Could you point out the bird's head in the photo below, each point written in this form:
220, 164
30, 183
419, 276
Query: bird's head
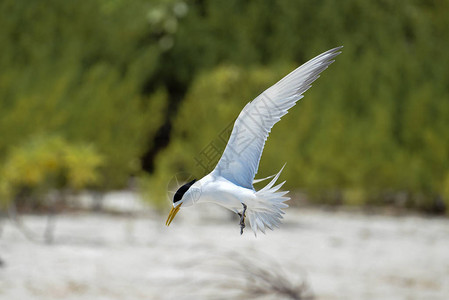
186, 195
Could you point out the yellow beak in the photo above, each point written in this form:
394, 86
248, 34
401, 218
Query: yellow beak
172, 214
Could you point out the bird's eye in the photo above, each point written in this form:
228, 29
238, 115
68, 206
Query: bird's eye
182, 190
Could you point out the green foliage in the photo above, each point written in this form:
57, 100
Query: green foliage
117, 74
48, 162
78, 71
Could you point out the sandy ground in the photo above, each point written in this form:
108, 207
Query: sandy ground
202, 256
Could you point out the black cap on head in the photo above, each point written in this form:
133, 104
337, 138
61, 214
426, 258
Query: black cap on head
182, 190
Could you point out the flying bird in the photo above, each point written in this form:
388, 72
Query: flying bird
230, 184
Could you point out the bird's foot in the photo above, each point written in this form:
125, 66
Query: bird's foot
242, 218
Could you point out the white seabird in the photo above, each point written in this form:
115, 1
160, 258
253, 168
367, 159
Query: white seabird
230, 184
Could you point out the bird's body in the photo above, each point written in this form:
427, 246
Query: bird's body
230, 184
231, 195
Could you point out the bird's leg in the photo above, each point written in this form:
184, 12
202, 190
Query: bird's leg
242, 218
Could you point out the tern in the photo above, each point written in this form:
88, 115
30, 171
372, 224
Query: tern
230, 184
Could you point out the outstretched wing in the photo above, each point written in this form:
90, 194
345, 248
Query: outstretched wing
240, 160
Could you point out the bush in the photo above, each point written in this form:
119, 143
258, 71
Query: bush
45, 163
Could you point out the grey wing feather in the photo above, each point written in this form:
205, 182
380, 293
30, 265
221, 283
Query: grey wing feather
240, 160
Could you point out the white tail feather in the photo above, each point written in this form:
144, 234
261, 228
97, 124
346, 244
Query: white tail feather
262, 179
267, 210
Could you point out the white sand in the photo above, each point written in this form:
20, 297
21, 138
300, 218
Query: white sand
340, 255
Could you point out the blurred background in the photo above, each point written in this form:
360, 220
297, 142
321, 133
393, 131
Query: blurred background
103, 96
